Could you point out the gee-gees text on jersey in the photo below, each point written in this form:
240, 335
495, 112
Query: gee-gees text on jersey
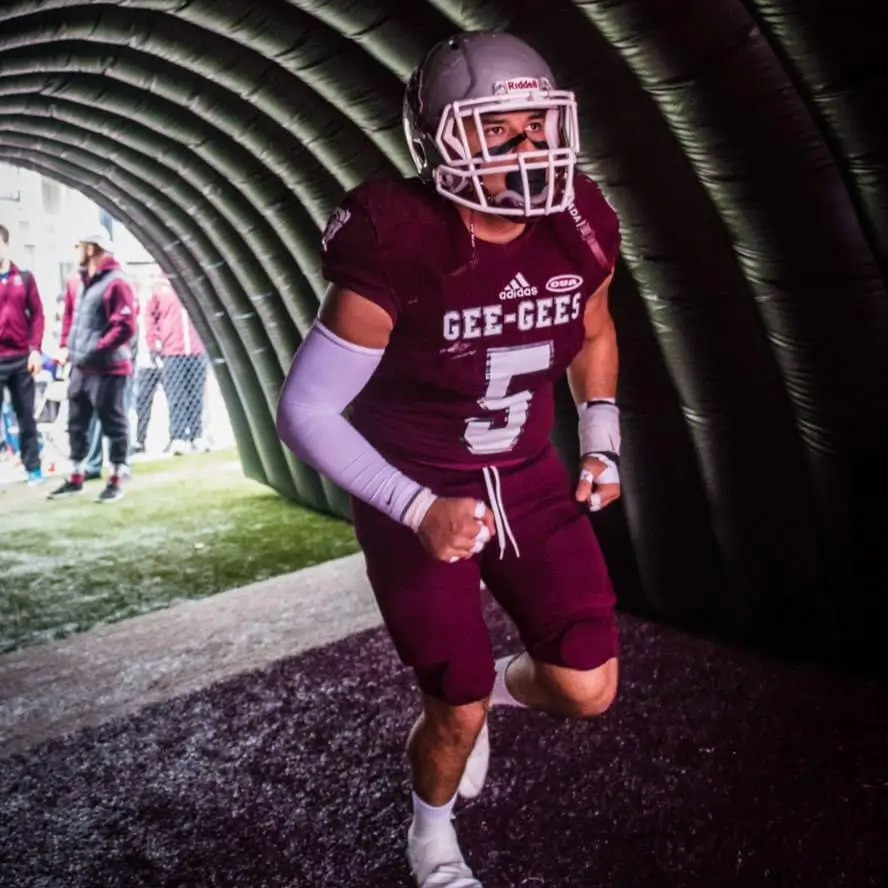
486, 321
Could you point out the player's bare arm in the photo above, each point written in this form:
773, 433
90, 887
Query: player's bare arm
355, 319
593, 382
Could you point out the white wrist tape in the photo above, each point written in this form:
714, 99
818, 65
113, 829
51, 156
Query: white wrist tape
599, 428
481, 540
327, 374
609, 475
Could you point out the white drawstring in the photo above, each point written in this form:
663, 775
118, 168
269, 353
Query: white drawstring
500, 519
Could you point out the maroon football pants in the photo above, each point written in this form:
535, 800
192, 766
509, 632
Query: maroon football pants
555, 587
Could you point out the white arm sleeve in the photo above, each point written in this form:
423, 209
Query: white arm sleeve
327, 374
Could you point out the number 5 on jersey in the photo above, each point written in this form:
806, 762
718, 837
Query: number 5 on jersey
483, 435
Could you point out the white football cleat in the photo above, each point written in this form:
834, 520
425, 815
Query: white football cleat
475, 773
437, 862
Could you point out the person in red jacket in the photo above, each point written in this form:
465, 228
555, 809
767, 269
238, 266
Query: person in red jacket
21, 335
97, 328
174, 343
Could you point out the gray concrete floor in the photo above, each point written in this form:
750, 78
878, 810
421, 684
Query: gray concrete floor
49, 690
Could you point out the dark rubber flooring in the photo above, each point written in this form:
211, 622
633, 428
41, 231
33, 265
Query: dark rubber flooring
715, 768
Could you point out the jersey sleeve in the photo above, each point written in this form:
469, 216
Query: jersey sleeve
351, 256
601, 216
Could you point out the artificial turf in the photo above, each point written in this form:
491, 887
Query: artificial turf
188, 527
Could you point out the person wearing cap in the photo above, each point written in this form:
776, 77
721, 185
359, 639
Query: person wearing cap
21, 335
98, 451
98, 326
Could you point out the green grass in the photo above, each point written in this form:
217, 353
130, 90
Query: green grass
188, 528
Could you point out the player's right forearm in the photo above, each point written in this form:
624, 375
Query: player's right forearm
326, 376
329, 443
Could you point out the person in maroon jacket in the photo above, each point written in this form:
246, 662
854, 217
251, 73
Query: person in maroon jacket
21, 335
97, 328
175, 346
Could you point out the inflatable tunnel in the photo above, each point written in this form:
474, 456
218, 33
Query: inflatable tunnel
742, 143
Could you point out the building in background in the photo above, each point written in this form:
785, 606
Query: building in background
45, 218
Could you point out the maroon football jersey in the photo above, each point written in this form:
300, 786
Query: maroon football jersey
479, 334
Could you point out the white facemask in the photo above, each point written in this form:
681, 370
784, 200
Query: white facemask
538, 182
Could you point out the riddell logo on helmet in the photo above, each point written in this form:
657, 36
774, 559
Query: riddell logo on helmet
521, 84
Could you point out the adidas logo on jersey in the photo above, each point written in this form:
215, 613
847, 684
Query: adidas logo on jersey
518, 288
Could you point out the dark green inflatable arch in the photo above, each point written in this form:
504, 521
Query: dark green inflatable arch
741, 142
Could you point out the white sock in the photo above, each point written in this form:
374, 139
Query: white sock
76, 468
501, 695
429, 820
117, 471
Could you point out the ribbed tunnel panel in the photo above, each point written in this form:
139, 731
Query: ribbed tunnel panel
740, 144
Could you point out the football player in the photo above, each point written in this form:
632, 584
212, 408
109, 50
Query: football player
457, 299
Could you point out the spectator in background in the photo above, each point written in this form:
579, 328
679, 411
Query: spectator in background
148, 378
21, 337
97, 328
92, 465
72, 284
172, 338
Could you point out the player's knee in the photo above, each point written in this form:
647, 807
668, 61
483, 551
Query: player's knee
592, 693
581, 693
578, 666
466, 678
455, 726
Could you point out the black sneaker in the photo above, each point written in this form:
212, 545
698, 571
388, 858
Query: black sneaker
92, 476
111, 493
67, 489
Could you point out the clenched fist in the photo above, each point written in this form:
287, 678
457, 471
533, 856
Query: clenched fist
456, 527
599, 483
